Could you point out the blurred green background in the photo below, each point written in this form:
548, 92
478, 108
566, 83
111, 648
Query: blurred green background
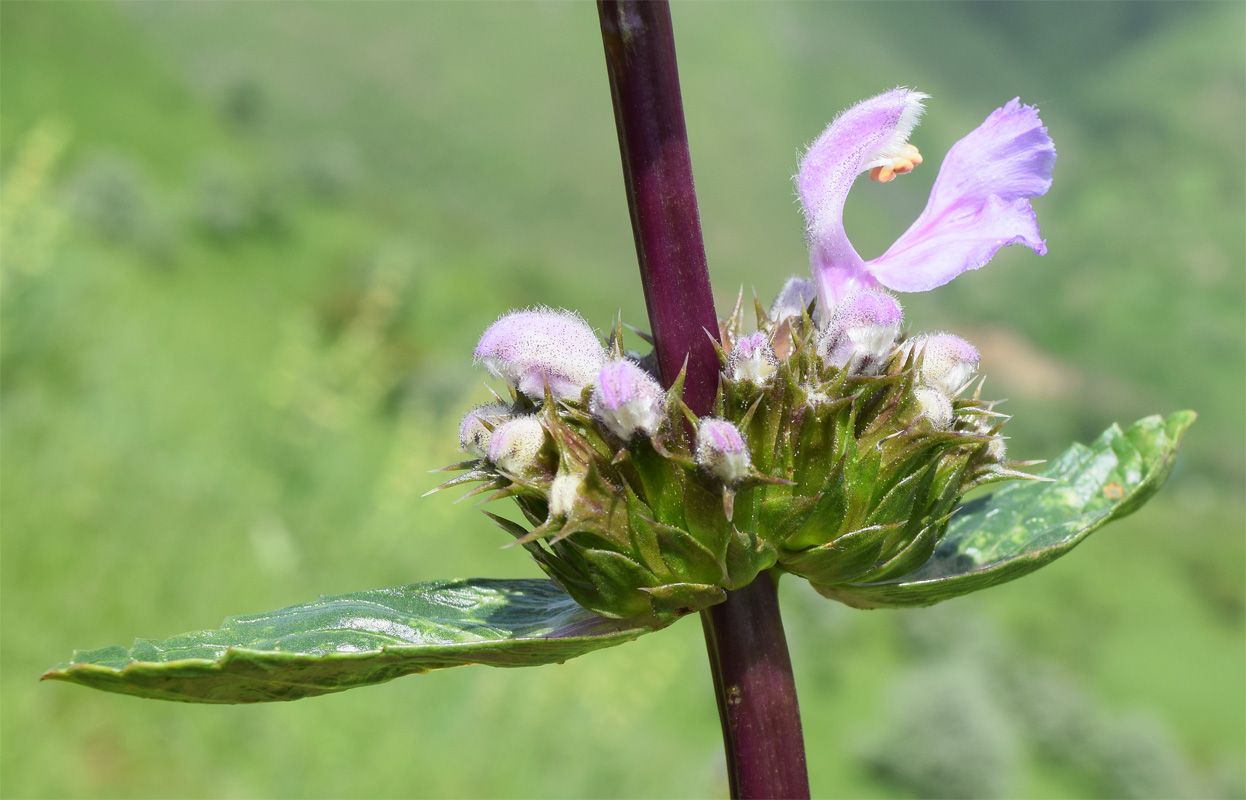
247, 249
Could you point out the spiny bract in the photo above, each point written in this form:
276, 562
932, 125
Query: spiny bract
849, 470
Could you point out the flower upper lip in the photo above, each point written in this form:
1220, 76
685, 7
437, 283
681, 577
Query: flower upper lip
979, 203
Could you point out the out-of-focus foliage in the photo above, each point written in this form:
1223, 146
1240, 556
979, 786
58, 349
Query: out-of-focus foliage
229, 402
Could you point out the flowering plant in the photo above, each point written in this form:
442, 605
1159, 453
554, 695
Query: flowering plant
840, 447
828, 443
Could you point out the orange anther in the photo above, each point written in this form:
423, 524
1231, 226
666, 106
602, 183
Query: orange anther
902, 164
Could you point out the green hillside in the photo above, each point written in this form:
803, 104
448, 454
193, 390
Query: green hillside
246, 251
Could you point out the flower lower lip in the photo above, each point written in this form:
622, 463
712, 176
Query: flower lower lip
980, 201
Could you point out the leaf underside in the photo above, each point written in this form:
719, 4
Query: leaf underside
357, 639
1025, 525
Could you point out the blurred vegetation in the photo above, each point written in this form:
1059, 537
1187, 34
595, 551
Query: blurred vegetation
246, 251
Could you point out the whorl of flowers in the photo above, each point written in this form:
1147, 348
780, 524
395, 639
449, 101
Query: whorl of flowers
837, 448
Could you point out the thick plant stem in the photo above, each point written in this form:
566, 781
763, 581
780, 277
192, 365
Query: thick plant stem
756, 693
744, 635
657, 172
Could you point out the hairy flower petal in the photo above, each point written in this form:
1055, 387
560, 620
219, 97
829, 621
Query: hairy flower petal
627, 400
980, 203
477, 426
516, 443
722, 450
752, 359
529, 349
935, 406
948, 362
861, 332
792, 299
869, 134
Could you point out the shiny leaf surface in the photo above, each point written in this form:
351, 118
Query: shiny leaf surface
1025, 525
340, 642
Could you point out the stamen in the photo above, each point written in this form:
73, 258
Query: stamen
902, 164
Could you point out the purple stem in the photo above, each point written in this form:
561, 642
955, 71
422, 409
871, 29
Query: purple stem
744, 635
657, 171
756, 693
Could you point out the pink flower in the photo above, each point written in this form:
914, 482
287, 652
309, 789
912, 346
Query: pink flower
948, 362
516, 444
861, 332
532, 349
721, 449
979, 203
752, 359
627, 400
477, 427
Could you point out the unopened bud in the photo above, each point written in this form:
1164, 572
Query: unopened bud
529, 349
627, 400
861, 332
477, 428
562, 493
793, 298
721, 450
752, 359
948, 362
516, 444
935, 406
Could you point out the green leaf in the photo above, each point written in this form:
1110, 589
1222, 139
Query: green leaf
1027, 524
356, 639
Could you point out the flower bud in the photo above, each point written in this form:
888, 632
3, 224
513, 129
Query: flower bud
752, 359
529, 349
516, 444
861, 331
935, 406
793, 298
721, 450
948, 362
627, 400
562, 493
477, 427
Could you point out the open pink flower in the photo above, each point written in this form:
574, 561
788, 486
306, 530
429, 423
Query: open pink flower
979, 203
